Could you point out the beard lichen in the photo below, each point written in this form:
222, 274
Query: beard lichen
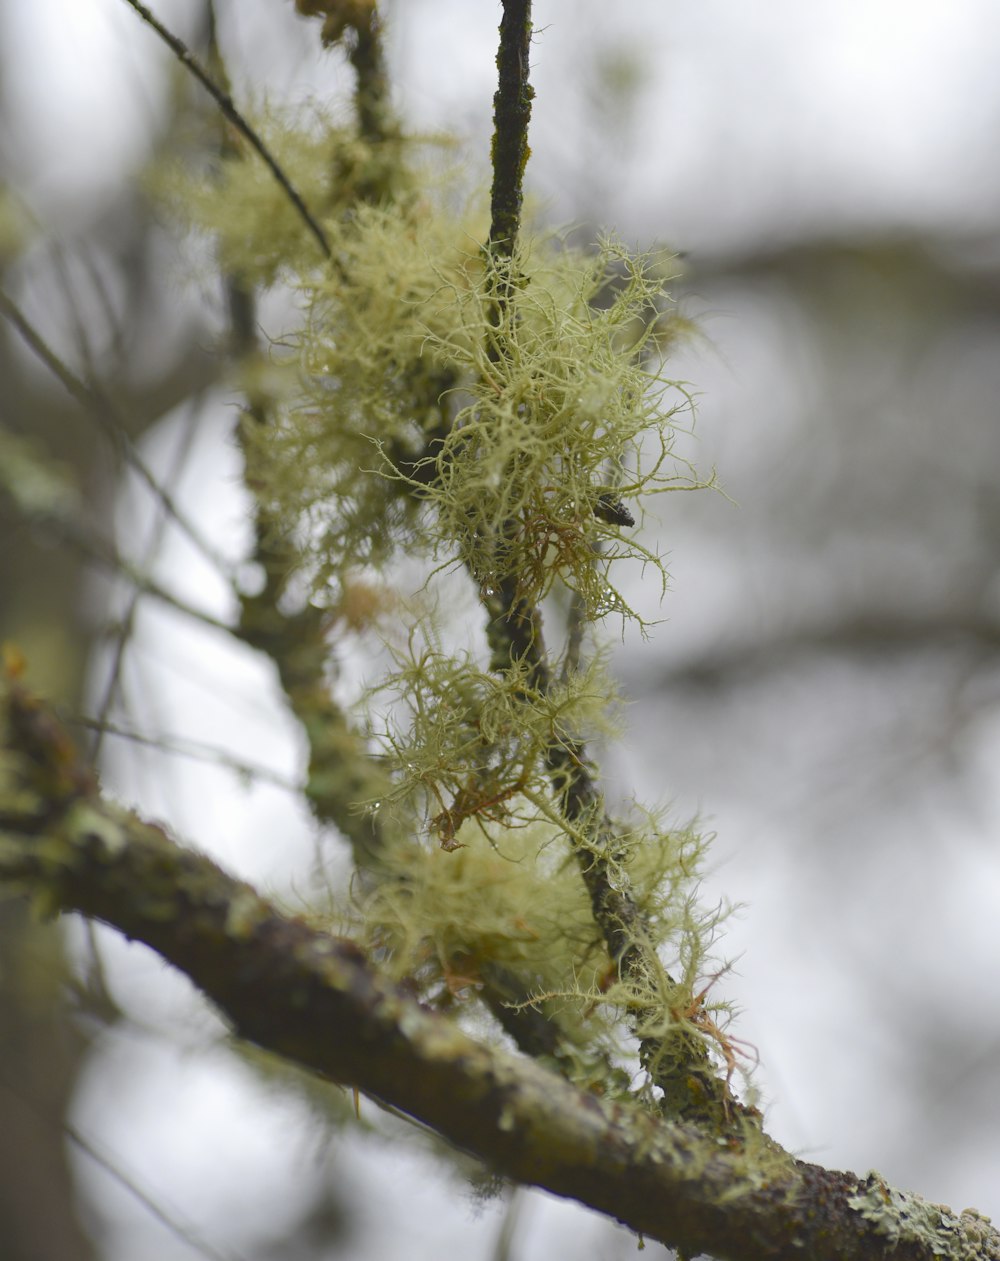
403, 429
471, 745
410, 415
509, 901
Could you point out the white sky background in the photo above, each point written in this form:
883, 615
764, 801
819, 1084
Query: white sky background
751, 115
753, 120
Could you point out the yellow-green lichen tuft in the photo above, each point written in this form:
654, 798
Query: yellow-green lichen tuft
259, 234
519, 450
469, 745
565, 426
414, 414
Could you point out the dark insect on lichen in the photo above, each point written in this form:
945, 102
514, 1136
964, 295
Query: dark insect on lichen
613, 511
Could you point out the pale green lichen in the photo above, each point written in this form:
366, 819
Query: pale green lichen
245, 911
510, 896
465, 743
562, 431
516, 442
409, 429
85, 822
228, 193
902, 1218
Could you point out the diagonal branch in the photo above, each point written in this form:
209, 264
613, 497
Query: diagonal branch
96, 404
319, 1001
228, 107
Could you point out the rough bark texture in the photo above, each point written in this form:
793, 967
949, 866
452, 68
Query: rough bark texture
318, 1000
511, 115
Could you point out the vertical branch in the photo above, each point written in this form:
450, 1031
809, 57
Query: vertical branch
509, 152
676, 1057
341, 772
511, 115
371, 93
357, 25
515, 631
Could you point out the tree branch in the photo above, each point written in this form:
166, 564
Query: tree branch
318, 1000
678, 1063
228, 107
96, 404
511, 115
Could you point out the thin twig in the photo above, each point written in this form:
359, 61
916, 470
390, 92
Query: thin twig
185, 1232
296, 642
228, 107
97, 405
576, 622
107, 556
127, 622
196, 749
170, 1218
503, 1248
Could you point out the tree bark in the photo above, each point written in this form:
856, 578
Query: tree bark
318, 1000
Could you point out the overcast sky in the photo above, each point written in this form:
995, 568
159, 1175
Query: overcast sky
747, 116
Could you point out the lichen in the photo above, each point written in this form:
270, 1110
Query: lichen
87, 824
515, 443
405, 429
902, 1218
